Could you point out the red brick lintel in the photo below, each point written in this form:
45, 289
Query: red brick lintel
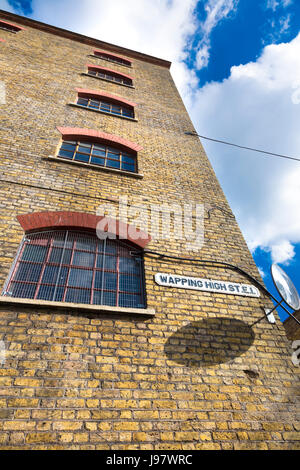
98, 135
39, 221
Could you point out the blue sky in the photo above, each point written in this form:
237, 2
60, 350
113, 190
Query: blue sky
236, 64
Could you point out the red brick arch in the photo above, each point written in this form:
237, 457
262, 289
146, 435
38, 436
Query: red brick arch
39, 221
104, 94
73, 132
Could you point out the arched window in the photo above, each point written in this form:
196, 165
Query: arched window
112, 57
110, 75
91, 147
95, 153
13, 28
105, 102
78, 267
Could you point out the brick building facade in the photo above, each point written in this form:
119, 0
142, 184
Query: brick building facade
163, 367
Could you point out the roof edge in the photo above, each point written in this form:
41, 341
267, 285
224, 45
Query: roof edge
83, 39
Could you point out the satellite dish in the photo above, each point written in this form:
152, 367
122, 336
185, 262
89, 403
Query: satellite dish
286, 290
285, 287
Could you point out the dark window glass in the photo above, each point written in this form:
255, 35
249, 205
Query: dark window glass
106, 106
96, 154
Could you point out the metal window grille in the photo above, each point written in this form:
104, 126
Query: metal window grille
112, 58
97, 154
106, 106
110, 76
77, 267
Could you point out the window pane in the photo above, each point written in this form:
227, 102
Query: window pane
68, 146
82, 258
79, 157
78, 296
47, 293
129, 283
84, 148
105, 107
97, 161
82, 101
98, 152
86, 244
110, 263
110, 281
112, 163
65, 154
92, 72
113, 155
22, 290
54, 274
98, 280
127, 112
94, 104
111, 247
57, 256
80, 277
127, 167
116, 109
130, 301
128, 265
28, 272
33, 252
127, 158
109, 298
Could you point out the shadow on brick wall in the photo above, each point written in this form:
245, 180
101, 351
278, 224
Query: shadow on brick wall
209, 341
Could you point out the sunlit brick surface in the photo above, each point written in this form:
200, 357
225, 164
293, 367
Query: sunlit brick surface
194, 376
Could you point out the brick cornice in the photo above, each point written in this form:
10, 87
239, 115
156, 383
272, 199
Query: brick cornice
83, 39
102, 136
104, 94
80, 220
106, 69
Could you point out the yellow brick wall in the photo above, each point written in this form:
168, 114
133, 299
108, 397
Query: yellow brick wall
194, 376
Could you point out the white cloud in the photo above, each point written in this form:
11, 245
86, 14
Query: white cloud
216, 11
282, 252
256, 107
273, 4
261, 272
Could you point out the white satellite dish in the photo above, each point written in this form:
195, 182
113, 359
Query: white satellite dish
286, 290
285, 287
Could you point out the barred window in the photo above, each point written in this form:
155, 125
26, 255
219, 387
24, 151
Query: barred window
77, 267
111, 76
98, 154
106, 106
112, 58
